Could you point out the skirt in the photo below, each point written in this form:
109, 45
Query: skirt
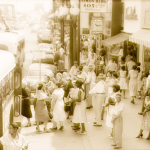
26, 108
41, 112
133, 87
146, 122
59, 112
123, 83
110, 110
79, 115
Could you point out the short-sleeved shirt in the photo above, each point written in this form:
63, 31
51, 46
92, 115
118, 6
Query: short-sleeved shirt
9, 143
119, 107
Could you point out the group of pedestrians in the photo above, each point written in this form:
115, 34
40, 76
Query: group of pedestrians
69, 94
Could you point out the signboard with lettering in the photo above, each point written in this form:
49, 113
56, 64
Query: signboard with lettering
93, 6
96, 25
147, 18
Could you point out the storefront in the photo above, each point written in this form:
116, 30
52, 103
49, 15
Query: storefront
116, 46
142, 38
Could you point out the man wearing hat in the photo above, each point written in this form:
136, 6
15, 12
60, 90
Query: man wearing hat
117, 121
91, 79
99, 92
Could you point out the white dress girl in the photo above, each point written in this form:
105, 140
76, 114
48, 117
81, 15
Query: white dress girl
80, 109
123, 79
58, 111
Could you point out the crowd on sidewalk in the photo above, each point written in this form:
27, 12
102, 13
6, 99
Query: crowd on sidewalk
69, 94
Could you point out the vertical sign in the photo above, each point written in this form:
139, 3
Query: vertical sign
93, 5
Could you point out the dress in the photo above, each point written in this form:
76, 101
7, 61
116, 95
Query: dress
80, 110
133, 82
26, 108
146, 118
10, 143
58, 111
41, 112
139, 81
123, 80
110, 88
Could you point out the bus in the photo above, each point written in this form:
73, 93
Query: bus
10, 91
14, 42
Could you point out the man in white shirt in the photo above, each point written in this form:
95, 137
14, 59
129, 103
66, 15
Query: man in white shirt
91, 79
112, 66
117, 121
99, 91
73, 70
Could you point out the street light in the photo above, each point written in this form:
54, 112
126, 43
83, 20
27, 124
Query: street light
75, 20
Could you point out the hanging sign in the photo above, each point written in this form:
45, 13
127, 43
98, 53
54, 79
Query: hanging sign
93, 6
96, 25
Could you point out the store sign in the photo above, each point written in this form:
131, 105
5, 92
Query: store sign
93, 6
147, 18
96, 25
130, 13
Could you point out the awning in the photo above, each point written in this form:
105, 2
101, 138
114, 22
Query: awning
116, 39
141, 37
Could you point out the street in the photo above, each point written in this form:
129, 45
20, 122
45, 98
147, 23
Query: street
96, 138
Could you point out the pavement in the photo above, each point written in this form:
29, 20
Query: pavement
96, 138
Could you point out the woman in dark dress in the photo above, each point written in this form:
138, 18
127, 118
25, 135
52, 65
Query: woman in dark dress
26, 109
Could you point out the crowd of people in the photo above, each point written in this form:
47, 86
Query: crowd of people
69, 94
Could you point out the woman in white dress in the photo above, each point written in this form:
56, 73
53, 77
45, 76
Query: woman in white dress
123, 80
79, 116
133, 74
57, 107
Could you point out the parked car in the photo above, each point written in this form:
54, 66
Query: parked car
45, 35
48, 50
37, 72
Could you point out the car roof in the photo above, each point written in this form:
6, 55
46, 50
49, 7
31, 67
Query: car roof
36, 67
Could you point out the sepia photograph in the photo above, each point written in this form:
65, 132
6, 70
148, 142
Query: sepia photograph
74, 74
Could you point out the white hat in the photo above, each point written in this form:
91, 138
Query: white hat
101, 76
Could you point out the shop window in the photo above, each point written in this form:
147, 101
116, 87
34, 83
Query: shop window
16, 106
146, 54
17, 80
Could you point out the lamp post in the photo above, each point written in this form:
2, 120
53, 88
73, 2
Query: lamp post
75, 33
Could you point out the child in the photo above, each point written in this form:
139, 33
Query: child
123, 80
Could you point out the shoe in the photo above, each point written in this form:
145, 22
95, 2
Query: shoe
117, 147
94, 122
46, 130
148, 138
139, 136
28, 125
132, 101
140, 113
88, 107
139, 97
82, 132
113, 145
38, 129
61, 128
98, 125
76, 128
53, 128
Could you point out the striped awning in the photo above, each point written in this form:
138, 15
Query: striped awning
141, 37
116, 39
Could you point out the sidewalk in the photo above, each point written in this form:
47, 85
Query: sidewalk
96, 138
